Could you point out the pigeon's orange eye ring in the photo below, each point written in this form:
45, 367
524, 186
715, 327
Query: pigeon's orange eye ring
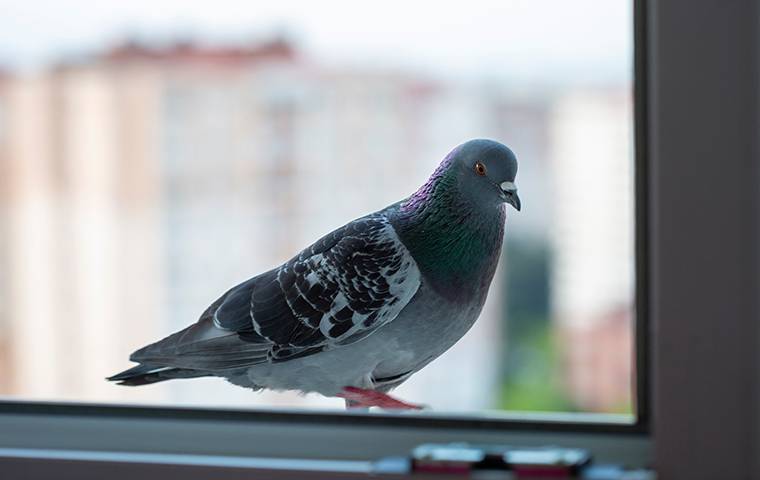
480, 169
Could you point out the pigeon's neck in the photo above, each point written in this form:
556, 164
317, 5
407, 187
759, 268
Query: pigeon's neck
455, 244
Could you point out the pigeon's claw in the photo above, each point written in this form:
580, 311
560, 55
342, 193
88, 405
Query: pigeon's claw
364, 398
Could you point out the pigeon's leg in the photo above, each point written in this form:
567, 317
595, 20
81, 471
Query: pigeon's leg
363, 397
355, 405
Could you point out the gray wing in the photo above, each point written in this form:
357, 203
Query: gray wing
336, 292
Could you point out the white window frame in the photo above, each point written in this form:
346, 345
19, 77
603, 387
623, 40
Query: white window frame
697, 236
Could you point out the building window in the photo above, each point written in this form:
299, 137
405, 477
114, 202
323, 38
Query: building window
193, 166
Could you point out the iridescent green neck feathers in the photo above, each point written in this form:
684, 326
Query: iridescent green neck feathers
456, 244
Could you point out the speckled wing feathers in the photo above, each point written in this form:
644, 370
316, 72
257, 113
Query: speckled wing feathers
335, 292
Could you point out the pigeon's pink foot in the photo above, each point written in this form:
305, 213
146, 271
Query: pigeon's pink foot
364, 398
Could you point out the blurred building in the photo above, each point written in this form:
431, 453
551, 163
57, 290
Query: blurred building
85, 272
136, 186
6, 367
593, 272
146, 181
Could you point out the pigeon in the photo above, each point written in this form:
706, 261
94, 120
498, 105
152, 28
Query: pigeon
357, 313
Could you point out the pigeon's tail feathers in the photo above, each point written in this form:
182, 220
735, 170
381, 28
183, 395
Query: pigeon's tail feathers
204, 347
146, 374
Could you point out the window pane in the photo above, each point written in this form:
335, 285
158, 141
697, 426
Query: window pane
149, 160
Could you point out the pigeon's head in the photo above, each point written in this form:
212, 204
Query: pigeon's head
486, 172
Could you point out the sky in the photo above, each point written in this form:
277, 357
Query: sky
523, 38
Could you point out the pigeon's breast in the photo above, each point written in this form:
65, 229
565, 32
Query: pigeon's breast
428, 326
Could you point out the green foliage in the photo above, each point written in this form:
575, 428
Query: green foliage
534, 383
531, 380
531, 365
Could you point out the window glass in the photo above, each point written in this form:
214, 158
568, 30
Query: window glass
153, 157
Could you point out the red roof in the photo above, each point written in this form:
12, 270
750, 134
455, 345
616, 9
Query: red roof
193, 53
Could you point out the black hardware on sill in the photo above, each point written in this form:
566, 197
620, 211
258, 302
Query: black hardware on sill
515, 462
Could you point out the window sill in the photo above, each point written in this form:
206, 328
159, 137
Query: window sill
229, 434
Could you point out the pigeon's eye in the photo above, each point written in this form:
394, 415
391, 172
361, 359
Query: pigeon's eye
480, 169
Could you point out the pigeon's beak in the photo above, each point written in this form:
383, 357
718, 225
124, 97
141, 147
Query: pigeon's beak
509, 190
